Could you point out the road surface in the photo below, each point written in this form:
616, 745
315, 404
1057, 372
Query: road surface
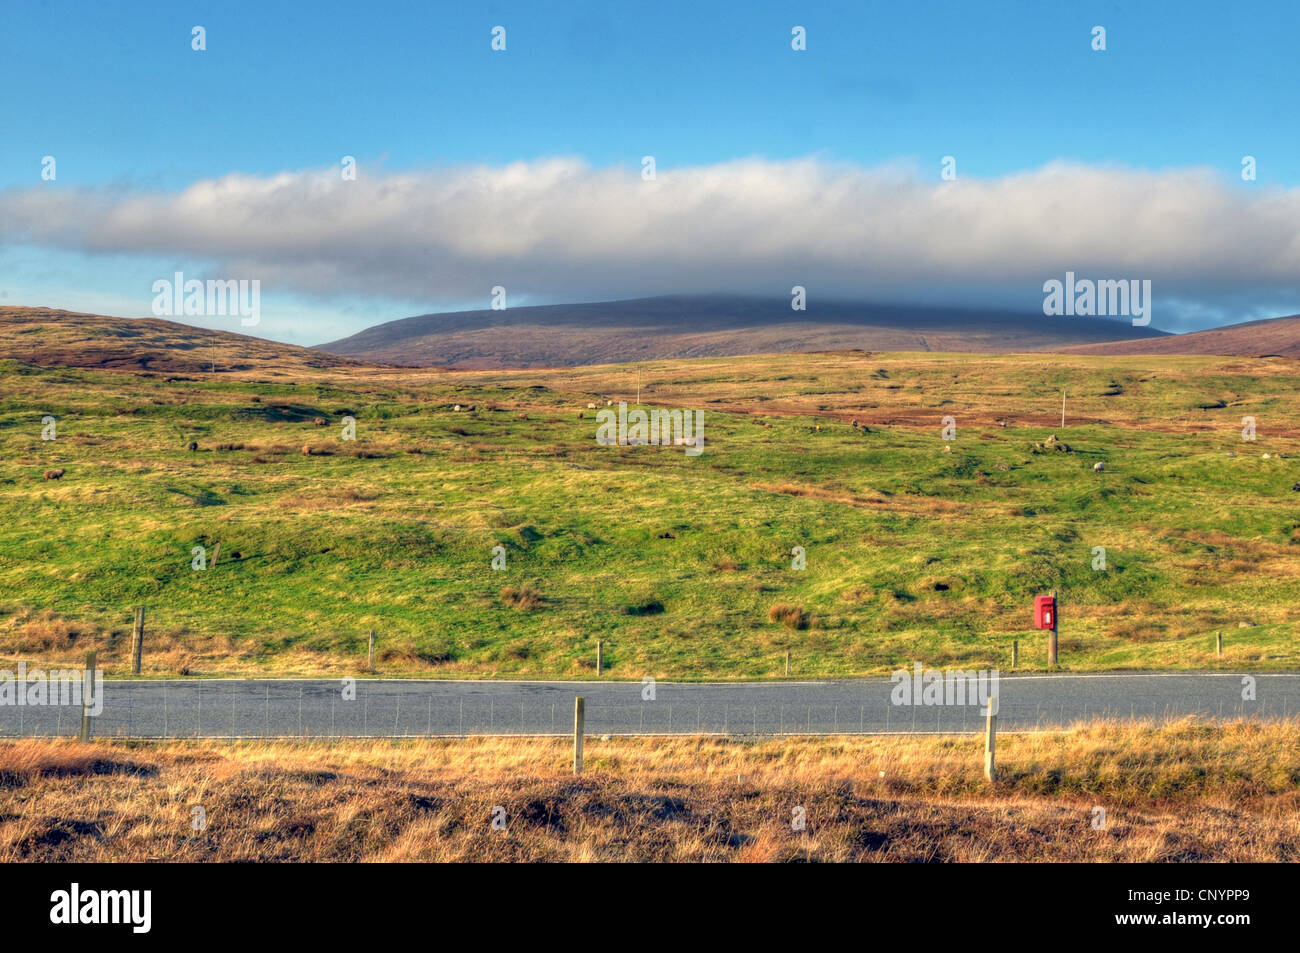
254, 708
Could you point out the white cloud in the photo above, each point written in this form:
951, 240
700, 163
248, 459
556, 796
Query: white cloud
559, 229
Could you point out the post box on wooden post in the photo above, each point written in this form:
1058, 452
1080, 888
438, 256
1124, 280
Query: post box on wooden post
1045, 617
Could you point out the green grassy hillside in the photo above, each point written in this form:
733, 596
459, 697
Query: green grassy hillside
681, 565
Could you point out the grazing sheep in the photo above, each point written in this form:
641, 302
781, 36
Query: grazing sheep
191, 446
456, 408
306, 451
1098, 467
1296, 487
591, 406
319, 421
523, 416
855, 421
947, 449
54, 474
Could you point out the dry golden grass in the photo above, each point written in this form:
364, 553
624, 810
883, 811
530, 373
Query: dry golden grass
1179, 792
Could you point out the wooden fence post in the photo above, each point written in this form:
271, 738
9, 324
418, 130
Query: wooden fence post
372, 650
1015, 654
787, 663
600, 656
137, 640
991, 739
1051, 639
1218, 644
89, 676
579, 717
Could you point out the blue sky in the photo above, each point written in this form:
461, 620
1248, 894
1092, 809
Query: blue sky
116, 94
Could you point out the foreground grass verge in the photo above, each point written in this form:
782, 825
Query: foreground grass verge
1185, 791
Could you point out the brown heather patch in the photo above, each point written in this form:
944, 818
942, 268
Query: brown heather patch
1137, 631
903, 505
936, 606
28, 760
911, 506
358, 494
858, 595
29, 632
849, 499
51, 642
329, 498
1185, 791
524, 597
792, 617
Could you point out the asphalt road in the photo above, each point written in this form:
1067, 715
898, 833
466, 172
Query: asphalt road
249, 708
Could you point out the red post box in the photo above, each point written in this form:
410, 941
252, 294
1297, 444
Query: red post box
1044, 612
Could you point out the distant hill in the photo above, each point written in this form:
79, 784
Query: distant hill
608, 332
50, 337
1272, 337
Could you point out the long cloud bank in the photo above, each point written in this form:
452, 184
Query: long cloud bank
561, 229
